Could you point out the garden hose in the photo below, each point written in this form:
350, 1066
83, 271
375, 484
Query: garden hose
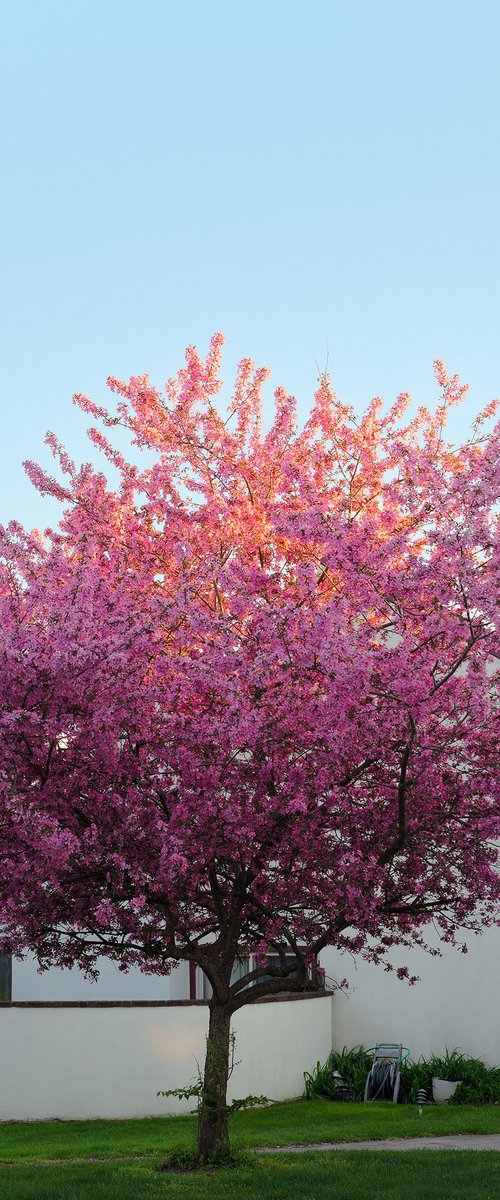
382, 1082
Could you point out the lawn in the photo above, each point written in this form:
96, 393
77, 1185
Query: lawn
414, 1175
302, 1121
39, 1158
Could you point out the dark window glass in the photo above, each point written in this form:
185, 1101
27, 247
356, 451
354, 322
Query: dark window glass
5, 977
275, 961
243, 966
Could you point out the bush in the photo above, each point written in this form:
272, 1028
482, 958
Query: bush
479, 1084
351, 1065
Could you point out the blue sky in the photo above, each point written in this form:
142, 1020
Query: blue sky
299, 175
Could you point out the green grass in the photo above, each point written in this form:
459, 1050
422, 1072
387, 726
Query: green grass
414, 1175
282, 1124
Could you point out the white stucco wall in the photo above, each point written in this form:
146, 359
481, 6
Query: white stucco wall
28, 983
455, 1004
75, 1062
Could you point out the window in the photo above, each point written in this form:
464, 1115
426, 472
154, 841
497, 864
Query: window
241, 967
5, 977
274, 961
201, 987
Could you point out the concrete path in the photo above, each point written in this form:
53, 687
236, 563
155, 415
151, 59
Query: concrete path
450, 1141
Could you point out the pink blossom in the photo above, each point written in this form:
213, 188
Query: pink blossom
248, 695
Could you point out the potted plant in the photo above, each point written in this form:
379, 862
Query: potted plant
446, 1075
443, 1089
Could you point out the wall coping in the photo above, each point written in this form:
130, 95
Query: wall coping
156, 1003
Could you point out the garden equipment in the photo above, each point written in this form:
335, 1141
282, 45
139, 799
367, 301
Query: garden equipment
383, 1081
343, 1090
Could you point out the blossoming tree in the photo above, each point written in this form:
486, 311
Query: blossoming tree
248, 692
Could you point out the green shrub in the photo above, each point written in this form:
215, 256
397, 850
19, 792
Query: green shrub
479, 1084
351, 1065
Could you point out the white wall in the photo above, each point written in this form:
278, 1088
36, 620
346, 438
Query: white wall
70, 984
73, 1062
455, 1004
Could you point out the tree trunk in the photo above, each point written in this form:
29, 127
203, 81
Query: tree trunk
213, 1137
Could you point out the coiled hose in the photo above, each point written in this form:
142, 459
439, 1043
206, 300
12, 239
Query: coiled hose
382, 1080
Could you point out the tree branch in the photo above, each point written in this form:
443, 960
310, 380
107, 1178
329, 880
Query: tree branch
400, 840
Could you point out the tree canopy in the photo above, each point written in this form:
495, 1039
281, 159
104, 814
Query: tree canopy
248, 688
